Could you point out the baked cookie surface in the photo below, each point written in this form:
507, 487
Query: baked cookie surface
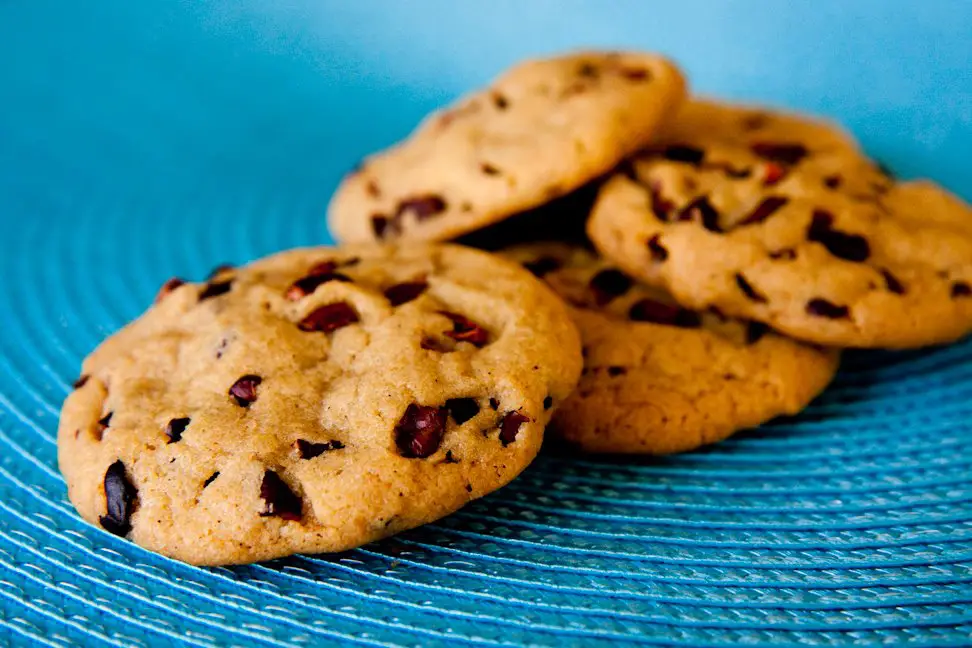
659, 378
801, 233
542, 129
316, 400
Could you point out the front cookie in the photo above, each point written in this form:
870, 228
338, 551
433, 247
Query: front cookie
659, 378
801, 233
316, 400
541, 130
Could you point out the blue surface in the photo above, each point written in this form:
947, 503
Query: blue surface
145, 139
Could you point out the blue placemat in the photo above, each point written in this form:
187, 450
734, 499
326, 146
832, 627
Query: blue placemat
140, 140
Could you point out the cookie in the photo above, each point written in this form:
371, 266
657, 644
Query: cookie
542, 129
659, 378
818, 243
316, 400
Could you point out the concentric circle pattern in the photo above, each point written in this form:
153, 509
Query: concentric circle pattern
149, 139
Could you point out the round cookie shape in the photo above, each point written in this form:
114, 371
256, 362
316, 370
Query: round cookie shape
541, 130
659, 378
316, 400
818, 244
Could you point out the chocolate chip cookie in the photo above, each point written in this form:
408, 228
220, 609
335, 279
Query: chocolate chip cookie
765, 217
539, 131
659, 378
316, 400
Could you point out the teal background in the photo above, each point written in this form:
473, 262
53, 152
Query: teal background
150, 138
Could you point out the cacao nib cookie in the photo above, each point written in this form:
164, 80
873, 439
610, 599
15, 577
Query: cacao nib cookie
542, 129
316, 400
811, 239
659, 378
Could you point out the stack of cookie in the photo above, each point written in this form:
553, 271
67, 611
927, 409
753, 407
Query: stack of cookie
665, 271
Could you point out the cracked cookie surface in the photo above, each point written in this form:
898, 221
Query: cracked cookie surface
767, 217
316, 400
659, 378
542, 129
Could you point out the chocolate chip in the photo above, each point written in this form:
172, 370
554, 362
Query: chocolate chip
656, 312
787, 153
961, 289
787, 254
541, 266
120, 497
658, 251
494, 403
823, 308
614, 371
450, 458
748, 289
465, 330
499, 101
489, 169
462, 409
547, 402
588, 70
468, 488
510, 426
764, 210
380, 226
210, 479
167, 288
244, 390
279, 499
423, 207
851, 247
215, 289
682, 153
661, 207
105, 421
892, 283
832, 181
701, 209
774, 173
635, 74
608, 284
175, 428
218, 270
318, 275
81, 381
405, 292
755, 332
328, 318
309, 449
420, 430
732, 172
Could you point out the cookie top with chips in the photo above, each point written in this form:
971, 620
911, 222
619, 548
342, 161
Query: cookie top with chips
542, 129
316, 400
659, 378
783, 225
